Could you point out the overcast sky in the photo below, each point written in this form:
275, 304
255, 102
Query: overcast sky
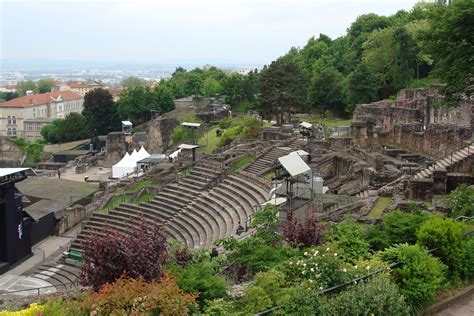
174, 31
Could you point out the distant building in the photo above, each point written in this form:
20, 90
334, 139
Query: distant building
8, 88
80, 88
25, 116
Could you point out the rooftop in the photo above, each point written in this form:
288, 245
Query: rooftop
43, 98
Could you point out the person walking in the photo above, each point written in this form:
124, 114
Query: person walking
59, 174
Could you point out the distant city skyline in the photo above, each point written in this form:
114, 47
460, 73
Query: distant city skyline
172, 33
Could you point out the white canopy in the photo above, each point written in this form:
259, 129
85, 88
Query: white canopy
127, 123
123, 167
187, 146
306, 124
175, 154
294, 164
142, 154
134, 155
187, 124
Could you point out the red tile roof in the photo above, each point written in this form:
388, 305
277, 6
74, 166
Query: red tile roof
43, 98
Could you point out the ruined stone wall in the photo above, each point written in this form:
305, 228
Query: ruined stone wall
10, 154
115, 147
159, 134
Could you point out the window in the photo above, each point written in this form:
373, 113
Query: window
14, 120
34, 112
30, 126
14, 131
9, 119
9, 132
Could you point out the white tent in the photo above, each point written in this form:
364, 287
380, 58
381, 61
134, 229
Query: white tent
142, 154
123, 167
134, 156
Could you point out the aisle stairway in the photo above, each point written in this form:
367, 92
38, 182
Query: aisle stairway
447, 162
203, 206
267, 161
62, 277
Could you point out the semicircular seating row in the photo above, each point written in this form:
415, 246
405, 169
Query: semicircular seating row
192, 213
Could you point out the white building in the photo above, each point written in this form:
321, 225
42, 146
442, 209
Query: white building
25, 116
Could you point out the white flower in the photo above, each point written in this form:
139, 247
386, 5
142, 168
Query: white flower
291, 263
312, 270
368, 267
303, 272
344, 270
305, 253
318, 275
321, 288
310, 281
355, 267
327, 249
304, 264
335, 254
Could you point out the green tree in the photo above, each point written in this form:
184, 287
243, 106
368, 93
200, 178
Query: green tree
101, 111
7, 96
404, 57
193, 84
50, 131
164, 98
451, 42
132, 104
132, 82
282, 89
45, 85
74, 127
359, 87
23, 86
325, 90
211, 87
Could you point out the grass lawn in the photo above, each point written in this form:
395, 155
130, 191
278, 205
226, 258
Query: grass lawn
140, 185
238, 164
145, 197
327, 121
379, 207
209, 140
115, 202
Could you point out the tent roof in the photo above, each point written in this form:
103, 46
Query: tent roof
125, 162
9, 171
294, 164
127, 123
306, 124
142, 154
175, 154
187, 146
187, 124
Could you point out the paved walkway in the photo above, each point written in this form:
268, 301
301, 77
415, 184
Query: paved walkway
48, 249
463, 307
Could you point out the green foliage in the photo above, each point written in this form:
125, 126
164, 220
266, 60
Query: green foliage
379, 296
282, 89
33, 150
360, 87
218, 307
266, 218
229, 135
462, 201
23, 86
419, 274
449, 40
397, 227
45, 85
73, 127
447, 236
272, 282
132, 82
50, 132
325, 90
302, 300
349, 238
255, 300
101, 112
201, 278
239, 164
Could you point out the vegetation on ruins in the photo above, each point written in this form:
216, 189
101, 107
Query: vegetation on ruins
462, 201
33, 151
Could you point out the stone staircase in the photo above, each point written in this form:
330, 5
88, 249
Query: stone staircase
62, 277
447, 162
267, 161
201, 207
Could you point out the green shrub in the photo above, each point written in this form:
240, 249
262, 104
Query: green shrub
453, 249
349, 238
218, 307
201, 278
302, 300
229, 135
378, 296
272, 281
255, 300
399, 227
419, 274
462, 201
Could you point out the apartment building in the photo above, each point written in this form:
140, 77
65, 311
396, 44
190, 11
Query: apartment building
80, 88
26, 116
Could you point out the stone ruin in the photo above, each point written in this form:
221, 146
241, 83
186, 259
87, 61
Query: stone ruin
10, 154
214, 111
416, 121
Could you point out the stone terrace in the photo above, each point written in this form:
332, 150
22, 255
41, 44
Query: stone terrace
201, 207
